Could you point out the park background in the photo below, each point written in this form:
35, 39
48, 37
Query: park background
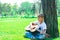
15, 15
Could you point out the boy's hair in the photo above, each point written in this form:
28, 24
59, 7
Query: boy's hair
41, 15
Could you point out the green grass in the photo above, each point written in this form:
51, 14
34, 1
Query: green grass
13, 28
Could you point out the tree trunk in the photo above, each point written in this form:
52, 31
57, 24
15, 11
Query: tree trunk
49, 10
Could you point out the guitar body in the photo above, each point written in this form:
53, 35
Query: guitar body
33, 28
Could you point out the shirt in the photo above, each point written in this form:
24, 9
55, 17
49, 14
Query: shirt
41, 27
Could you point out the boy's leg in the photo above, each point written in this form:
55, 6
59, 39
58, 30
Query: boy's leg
36, 39
40, 36
33, 39
29, 35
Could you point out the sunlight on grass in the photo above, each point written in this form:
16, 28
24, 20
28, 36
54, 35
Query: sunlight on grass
13, 28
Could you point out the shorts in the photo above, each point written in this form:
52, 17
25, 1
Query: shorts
35, 36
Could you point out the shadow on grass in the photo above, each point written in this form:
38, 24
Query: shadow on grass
44, 39
58, 38
48, 38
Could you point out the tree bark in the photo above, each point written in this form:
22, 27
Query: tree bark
49, 10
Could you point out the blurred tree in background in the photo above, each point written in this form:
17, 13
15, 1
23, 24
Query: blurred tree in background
58, 7
26, 9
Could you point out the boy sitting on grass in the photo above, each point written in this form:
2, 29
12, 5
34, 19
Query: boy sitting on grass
36, 30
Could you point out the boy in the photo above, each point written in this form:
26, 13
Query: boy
40, 32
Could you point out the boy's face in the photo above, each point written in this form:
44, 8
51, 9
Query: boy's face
40, 19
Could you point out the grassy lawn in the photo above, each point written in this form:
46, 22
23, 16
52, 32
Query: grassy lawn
13, 28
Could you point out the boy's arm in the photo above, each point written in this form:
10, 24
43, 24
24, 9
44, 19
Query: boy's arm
43, 30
